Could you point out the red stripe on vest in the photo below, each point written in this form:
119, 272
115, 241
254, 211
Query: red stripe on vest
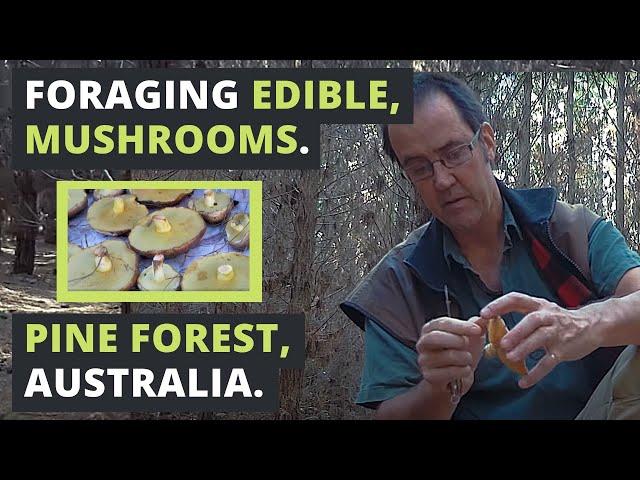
542, 255
571, 292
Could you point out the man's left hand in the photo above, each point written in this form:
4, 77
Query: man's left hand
566, 335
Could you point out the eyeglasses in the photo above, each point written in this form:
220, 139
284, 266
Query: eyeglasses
455, 157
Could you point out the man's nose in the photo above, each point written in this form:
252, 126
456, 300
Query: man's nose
443, 178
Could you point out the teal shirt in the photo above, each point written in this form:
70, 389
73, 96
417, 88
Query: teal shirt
390, 367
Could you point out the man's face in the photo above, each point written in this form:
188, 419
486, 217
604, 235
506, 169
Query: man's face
462, 196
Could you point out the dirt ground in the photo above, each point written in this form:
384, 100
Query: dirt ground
35, 293
21, 293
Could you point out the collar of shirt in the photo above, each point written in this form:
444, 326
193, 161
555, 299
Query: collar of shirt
450, 247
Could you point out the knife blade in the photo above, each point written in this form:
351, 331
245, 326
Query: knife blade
455, 387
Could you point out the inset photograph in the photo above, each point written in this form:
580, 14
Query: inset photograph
159, 241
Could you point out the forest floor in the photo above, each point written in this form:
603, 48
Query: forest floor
22, 293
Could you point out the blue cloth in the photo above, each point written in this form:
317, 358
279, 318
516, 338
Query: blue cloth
390, 367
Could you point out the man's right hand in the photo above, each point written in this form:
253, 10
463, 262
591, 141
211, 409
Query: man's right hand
450, 349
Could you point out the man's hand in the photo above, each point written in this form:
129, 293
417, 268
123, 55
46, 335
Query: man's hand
450, 348
565, 334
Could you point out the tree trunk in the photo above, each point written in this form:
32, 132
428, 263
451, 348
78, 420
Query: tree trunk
50, 231
525, 133
304, 203
571, 143
594, 190
636, 216
305, 210
620, 154
26, 233
546, 151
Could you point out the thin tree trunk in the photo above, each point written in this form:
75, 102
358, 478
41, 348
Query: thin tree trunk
571, 143
636, 216
596, 190
26, 233
546, 156
620, 154
304, 203
525, 133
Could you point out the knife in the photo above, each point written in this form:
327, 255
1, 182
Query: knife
455, 387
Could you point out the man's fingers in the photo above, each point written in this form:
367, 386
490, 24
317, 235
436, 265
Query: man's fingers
481, 322
446, 358
541, 370
512, 302
452, 325
525, 328
538, 339
444, 375
440, 340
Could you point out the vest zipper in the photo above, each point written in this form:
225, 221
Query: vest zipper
562, 254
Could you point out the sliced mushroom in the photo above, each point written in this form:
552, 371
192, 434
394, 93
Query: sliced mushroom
103, 193
237, 230
170, 232
108, 266
496, 330
160, 198
77, 201
159, 276
115, 215
222, 271
73, 249
213, 206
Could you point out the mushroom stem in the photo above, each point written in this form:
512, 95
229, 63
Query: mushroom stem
118, 205
209, 198
225, 273
158, 268
161, 223
103, 262
490, 350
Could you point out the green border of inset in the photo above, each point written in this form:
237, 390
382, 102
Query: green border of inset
254, 294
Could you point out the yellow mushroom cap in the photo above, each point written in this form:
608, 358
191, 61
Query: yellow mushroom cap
103, 192
77, 201
115, 215
84, 269
186, 228
237, 231
160, 197
222, 271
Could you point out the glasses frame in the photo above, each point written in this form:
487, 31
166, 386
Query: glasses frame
445, 162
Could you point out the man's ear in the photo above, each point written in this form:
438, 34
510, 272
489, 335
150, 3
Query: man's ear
489, 140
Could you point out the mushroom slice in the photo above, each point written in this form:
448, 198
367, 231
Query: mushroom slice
498, 329
222, 271
115, 215
170, 232
108, 266
77, 201
213, 206
159, 276
73, 249
160, 198
102, 193
237, 230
